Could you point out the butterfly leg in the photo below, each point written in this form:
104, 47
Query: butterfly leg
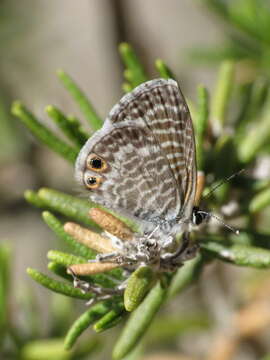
143, 251
117, 258
99, 293
129, 252
132, 253
105, 257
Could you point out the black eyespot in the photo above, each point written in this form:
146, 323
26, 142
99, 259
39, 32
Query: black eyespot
91, 180
96, 163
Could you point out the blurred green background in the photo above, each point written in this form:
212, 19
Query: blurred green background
193, 37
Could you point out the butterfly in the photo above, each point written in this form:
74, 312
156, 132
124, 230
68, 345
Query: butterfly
142, 164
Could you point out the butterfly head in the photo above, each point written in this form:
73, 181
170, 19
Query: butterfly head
198, 217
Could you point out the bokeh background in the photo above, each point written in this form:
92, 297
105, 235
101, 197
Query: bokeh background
37, 38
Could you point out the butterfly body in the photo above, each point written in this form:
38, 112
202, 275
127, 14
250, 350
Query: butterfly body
142, 164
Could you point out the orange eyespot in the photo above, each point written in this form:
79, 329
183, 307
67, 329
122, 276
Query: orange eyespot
92, 182
96, 163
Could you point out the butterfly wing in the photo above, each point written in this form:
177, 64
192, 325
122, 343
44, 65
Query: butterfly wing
160, 105
148, 147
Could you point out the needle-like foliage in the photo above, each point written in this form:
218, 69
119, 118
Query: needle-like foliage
224, 145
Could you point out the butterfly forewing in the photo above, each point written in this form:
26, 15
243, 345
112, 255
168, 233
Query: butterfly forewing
160, 105
148, 143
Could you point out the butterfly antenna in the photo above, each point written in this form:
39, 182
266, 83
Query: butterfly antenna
236, 231
152, 233
223, 181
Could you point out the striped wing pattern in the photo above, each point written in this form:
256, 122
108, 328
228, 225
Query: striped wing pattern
148, 143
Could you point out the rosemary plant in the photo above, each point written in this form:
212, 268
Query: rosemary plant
224, 145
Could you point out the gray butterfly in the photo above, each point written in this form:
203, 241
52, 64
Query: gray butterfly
142, 164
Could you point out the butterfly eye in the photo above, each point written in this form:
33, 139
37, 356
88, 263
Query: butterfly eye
92, 182
95, 163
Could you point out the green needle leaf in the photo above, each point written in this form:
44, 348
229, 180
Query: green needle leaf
59, 270
256, 137
64, 258
200, 124
113, 317
81, 99
78, 129
71, 206
138, 285
186, 275
58, 228
139, 322
68, 205
45, 349
222, 94
242, 255
57, 286
85, 320
134, 73
41, 132
163, 70
33, 198
67, 260
69, 128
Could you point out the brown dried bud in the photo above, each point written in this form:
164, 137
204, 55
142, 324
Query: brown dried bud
111, 224
89, 238
91, 268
